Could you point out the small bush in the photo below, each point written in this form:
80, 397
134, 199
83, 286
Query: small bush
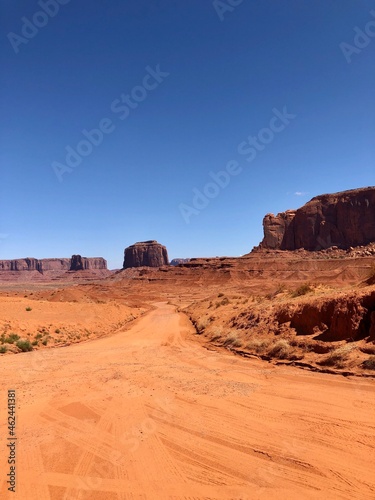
232, 340
338, 357
28, 309
281, 349
220, 294
3, 349
202, 325
302, 290
369, 364
57, 330
24, 345
258, 346
216, 333
12, 338
45, 341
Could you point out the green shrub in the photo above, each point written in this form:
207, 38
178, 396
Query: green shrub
24, 345
57, 330
28, 309
12, 338
3, 349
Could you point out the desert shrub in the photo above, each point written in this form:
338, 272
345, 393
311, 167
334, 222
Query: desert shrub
24, 345
216, 333
202, 325
57, 330
45, 341
28, 309
338, 357
281, 349
257, 345
302, 290
232, 340
3, 349
220, 294
34, 343
12, 338
369, 364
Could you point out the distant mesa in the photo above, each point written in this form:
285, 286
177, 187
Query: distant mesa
177, 262
145, 254
343, 220
75, 263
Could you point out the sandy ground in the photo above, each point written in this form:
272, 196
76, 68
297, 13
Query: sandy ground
148, 413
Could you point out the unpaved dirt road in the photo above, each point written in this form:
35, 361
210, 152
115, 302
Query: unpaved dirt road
149, 413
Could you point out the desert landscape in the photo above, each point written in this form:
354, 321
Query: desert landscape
211, 378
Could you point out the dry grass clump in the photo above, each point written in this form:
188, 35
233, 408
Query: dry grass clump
232, 340
369, 364
202, 325
257, 345
281, 349
303, 290
338, 357
216, 333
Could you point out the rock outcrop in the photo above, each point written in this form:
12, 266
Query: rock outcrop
76, 263
145, 254
342, 220
177, 262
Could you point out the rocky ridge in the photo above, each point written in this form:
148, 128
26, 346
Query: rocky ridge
342, 220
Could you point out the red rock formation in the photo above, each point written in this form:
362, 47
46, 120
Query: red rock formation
41, 265
146, 253
345, 220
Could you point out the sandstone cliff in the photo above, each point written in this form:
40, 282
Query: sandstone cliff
147, 254
345, 220
41, 265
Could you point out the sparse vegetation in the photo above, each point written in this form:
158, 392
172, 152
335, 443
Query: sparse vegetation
369, 364
338, 356
281, 349
232, 340
24, 345
3, 349
257, 345
302, 290
12, 338
28, 309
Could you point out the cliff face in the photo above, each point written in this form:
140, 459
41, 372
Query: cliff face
146, 253
76, 263
345, 220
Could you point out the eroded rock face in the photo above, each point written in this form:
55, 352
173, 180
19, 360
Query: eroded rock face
177, 262
76, 263
145, 254
345, 220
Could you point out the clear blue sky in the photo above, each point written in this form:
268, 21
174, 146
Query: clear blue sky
225, 79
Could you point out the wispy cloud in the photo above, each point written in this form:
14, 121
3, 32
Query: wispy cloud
301, 193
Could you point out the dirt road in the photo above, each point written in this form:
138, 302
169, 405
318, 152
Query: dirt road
149, 413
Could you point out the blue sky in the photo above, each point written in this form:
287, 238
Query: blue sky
224, 72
